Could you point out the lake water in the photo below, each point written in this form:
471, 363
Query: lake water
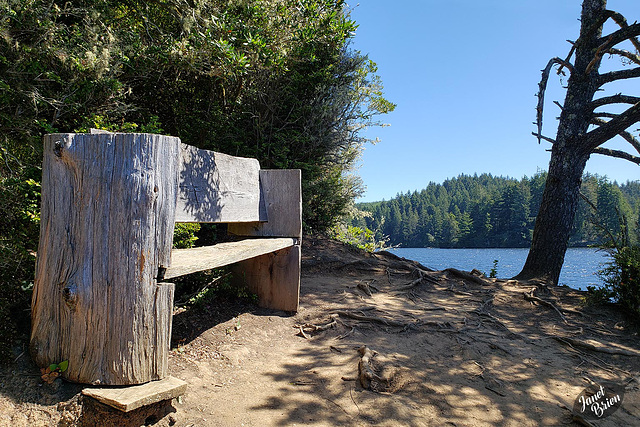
578, 271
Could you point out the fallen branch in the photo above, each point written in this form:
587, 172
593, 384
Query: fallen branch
309, 327
601, 349
301, 333
365, 371
530, 297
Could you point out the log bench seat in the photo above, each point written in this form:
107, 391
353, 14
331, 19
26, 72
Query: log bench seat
110, 202
187, 261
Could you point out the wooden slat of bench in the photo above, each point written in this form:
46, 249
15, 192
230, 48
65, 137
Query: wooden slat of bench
218, 188
186, 261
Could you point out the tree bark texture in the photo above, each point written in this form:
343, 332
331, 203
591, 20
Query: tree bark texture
569, 155
108, 209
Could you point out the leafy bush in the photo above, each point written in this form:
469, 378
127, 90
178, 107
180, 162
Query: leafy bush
184, 235
621, 279
362, 238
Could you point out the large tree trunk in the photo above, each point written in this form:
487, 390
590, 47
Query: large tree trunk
555, 218
569, 156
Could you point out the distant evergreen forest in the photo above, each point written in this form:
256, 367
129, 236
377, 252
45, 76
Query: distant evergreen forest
484, 211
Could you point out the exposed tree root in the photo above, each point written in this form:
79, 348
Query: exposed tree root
373, 319
467, 276
422, 276
592, 347
530, 297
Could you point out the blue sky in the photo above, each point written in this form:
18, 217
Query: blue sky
464, 74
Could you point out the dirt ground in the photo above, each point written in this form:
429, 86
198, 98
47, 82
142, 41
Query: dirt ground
445, 348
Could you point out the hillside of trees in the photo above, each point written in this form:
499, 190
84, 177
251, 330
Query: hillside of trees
483, 211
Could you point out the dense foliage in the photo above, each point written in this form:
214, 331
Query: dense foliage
488, 211
270, 79
621, 279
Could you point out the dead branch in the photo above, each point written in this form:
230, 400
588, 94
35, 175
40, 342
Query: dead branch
546, 138
625, 54
618, 75
598, 56
596, 120
622, 22
614, 99
542, 87
601, 349
567, 60
365, 370
613, 127
309, 327
617, 154
301, 333
530, 297
626, 32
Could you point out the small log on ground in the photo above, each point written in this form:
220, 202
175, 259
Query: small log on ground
366, 374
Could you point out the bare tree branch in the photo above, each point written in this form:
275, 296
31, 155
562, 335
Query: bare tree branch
603, 114
618, 75
542, 89
567, 60
622, 22
613, 127
626, 135
602, 49
614, 99
626, 54
616, 153
546, 138
630, 32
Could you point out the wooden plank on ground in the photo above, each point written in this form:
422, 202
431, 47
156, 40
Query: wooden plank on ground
133, 397
186, 261
215, 187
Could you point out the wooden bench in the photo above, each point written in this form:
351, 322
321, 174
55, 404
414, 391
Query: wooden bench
110, 202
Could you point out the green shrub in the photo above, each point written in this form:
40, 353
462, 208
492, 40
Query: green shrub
184, 235
621, 279
360, 237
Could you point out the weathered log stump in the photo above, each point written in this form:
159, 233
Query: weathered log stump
108, 210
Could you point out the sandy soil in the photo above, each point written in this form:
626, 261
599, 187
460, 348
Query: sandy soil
451, 349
